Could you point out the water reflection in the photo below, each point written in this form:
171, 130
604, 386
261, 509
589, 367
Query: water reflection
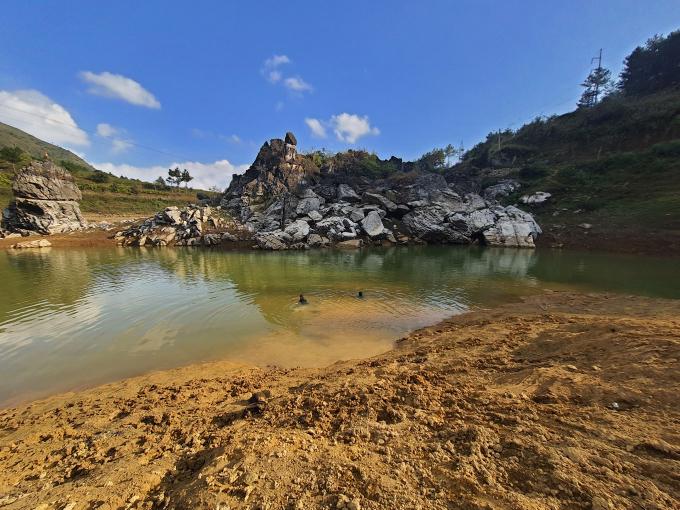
80, 317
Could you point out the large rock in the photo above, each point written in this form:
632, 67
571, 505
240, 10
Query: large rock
346, 194
38, 243
334, 226
43, 180
513, 228
44, 216
276, 240
290, 138
351, 244
504, 188
431, 224
379, 200
298, 229
309, 201
372, 225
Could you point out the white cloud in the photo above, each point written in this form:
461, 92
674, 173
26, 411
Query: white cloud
297, 85
215, 174
350, 128
109, 131
269, 69
279, 106
317, 128
38, 115
119, 87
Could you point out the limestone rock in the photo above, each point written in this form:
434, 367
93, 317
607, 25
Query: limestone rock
372, 225
44, 216
314, 215
504, 188
346, 194
298, 229
314, 240
290, 138
537, 198
43, 180
379, 200
38, 243
430, 224
513, 228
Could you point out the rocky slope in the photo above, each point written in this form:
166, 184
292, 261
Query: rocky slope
284, 202
46, 201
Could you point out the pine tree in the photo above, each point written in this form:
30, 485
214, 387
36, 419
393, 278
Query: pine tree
597, 84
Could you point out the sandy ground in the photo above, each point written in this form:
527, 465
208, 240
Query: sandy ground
502, 409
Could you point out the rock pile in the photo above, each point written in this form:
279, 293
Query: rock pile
46, 201
188, 226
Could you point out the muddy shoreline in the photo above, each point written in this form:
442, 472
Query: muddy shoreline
505, 408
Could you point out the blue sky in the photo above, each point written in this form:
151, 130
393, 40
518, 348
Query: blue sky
209, 82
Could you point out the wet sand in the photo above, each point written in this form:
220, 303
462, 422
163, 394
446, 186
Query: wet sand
505, 408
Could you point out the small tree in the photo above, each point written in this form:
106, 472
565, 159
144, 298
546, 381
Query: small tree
174, 177
11, 155
160, 182
450, 152
186, 178
598, 83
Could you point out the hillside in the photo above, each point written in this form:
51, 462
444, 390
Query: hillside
104, 195
615, 166
36, 148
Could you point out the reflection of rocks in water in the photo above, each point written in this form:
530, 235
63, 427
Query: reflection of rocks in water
58, 277
505, 261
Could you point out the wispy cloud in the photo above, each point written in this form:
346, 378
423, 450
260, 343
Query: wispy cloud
279, 106
348, 128
270, 67
218, 173
109, 131
38, 115
202, 134
119, 87
297, 85
318, 131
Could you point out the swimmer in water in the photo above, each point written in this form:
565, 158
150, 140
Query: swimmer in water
361, 295
302, 301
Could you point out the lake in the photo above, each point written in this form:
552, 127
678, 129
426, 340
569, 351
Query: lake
71, 319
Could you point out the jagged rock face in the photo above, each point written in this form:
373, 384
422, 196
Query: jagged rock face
43, 180
346, 194
431, 224
513, 227
43, 216
277, 169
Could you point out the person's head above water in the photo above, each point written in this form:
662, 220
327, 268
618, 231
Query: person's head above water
361, 294
302, 299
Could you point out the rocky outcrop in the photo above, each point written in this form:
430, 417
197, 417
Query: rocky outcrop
537, 198
46, 201
277, 169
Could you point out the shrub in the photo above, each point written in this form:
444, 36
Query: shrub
99, 177
533, 172
11, 154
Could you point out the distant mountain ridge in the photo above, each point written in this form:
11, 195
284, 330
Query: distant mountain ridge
36, 148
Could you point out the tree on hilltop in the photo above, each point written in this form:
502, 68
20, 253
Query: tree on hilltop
174, 177
597, 84
186, 178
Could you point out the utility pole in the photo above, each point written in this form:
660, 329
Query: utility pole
599, 66
461, 151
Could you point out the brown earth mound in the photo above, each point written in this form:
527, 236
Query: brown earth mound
504, 409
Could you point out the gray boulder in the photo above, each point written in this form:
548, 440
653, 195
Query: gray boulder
537, 198
44, 216
290, 138
513, 228
502, 189
372, 225
314, 240
430, 224
298, 229
309, 201
315, 216
379, 200
346, 194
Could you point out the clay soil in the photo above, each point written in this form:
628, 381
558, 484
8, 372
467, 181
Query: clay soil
509, 408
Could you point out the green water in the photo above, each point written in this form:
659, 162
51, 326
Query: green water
75, 318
